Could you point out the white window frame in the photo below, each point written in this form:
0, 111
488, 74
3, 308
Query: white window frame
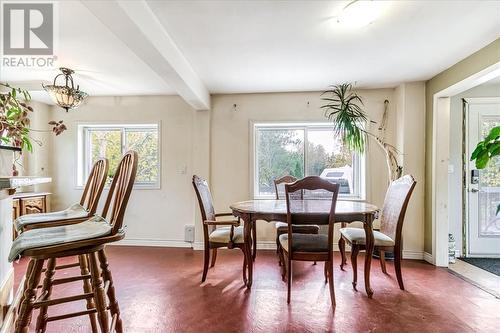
359, 160
83, 162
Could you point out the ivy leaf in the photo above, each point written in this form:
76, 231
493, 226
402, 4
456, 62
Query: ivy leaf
494, 149
479, 148
494, 134
482, 159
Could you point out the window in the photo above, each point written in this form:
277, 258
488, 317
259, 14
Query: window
112, 141
302, 150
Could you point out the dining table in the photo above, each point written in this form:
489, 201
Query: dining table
272, 210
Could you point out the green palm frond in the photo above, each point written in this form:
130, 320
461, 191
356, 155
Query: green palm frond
343, 109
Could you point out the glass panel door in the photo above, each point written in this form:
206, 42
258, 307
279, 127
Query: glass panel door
483, 185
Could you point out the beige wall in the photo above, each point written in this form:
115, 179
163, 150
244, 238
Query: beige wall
217, 146
153, 216
39, 163
476, 62
231, 144
411, 144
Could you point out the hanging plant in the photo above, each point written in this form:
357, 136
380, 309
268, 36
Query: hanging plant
14, 119
344, 110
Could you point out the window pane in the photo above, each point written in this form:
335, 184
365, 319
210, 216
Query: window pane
328, 158
145, 143
280, 152
105, 143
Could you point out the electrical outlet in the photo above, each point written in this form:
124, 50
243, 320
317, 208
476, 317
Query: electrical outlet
189, 233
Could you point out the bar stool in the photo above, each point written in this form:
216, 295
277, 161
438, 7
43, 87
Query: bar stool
75, 213
87, 240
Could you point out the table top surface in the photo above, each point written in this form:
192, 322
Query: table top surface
9, 182
303, 206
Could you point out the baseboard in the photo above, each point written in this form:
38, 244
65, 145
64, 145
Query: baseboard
271, 245
429, 258
263, 245
415, 255
153, 242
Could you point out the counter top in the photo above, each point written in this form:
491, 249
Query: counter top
18, 195
15, 182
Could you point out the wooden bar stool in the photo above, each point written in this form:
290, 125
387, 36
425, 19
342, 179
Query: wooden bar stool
86, 240
75, 213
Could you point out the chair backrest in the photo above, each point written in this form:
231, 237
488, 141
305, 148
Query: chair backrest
296, 213
206, 203
94, 186
395, 204
120, 189
280, 190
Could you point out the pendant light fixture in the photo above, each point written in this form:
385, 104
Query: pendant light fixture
66, 96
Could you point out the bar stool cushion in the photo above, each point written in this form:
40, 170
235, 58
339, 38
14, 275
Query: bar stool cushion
73, 212
221, 235
35, 238
282, 227
305, 242
357, 236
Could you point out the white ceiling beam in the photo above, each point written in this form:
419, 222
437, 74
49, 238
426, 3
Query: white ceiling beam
140, 29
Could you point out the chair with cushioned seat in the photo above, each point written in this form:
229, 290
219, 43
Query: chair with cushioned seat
77, 212
282, 227
389, 238
309, 247
87, 240
217, 234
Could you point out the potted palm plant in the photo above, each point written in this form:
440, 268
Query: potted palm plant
344, 109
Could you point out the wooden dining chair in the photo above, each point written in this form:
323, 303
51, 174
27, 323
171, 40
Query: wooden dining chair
76, 212
308, 247
282, 227
86, 240
217, 234
389, 238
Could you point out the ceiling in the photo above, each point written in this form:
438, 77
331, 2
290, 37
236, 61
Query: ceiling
273, 46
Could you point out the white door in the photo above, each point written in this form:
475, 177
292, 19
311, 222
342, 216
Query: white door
483, 186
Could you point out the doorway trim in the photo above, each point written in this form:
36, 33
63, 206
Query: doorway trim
440, 159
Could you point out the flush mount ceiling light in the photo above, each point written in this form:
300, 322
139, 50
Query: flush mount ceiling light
359, 13
66, 96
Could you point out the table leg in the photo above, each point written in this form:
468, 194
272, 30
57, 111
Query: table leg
248, 247
370, 242
254, 240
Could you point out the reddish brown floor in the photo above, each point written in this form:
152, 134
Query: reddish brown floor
159, 290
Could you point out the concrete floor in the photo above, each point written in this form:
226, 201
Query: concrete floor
159, 290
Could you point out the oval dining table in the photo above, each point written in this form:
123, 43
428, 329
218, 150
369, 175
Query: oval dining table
275, 211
